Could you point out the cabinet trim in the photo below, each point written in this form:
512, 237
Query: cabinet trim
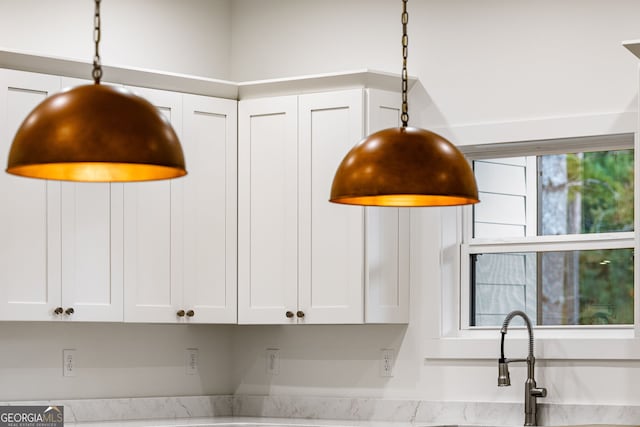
219, 88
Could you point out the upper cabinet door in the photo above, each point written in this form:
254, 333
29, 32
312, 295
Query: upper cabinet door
92, 251
153, 219
209, 142
331, 235
29, 212
387, 236
92, 232
268, 210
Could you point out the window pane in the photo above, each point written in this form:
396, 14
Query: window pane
554, 288
557, 194
586, 192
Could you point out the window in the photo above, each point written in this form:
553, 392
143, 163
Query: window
553, 234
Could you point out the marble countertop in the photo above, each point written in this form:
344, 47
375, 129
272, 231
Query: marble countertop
245, 422
278, 422
316, 411
242, 422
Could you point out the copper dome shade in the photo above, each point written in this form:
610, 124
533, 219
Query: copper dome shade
96, 133
404, 166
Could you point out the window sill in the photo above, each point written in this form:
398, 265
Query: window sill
600, 344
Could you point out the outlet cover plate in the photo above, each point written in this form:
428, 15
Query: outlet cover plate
191, 361
272, 361
69, 362
387, 360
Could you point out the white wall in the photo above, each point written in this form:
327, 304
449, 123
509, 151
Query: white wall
112, 360
479, 62
186, 36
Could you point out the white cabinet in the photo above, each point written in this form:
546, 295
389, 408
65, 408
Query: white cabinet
30, 268
92, 256
108, 252
331, 236
179, 235
210, 211
92, 251
60, 257
388, 234
301, 258
268, 210
168, 251
152, 276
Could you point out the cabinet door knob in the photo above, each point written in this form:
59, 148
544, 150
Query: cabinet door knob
289, 314
58, 310
191, 313
300, 314
180, 313
69, 311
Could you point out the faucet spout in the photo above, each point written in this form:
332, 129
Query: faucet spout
531, 390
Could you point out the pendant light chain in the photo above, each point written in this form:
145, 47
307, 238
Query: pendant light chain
404, 117
97, 66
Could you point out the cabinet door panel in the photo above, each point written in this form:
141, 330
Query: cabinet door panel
92, 251
331, 235
387, 235
210, 215
268, 224
92, 247
153, 235
30, 213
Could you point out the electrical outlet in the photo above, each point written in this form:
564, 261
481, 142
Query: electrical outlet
273, 361
387, 360
191, 361
69, 363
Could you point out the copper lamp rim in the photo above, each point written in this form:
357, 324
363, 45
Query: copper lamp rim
405, 200
345, 198
79, 171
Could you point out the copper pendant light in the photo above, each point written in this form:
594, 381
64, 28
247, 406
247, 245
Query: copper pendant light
96, 133
404, 166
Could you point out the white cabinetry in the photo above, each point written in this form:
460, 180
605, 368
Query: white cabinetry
61, 254
387, 252
152, 276
268, 210
107, 252
30, 266
331, 236
210, 209
301, 258
168, 251
179, 241
92, 258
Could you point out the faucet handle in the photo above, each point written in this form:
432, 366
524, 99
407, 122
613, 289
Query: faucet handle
538, 392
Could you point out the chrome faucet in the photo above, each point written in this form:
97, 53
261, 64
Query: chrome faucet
531, 391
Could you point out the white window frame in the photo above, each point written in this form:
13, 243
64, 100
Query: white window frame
449, 339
